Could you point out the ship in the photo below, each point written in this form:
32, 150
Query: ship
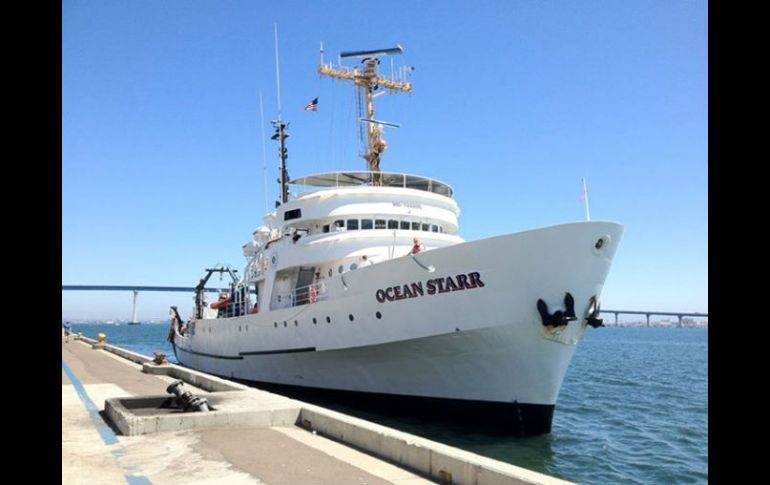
360, 284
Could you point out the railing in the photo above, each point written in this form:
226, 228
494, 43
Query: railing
304, 295
380, 179
236, 308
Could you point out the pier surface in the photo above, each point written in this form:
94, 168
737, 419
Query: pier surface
252, 437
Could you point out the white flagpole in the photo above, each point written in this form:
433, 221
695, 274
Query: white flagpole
585, 195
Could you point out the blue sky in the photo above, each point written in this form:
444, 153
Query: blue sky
514, 101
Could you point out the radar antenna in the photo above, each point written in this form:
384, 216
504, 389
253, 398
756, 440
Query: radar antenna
368, 80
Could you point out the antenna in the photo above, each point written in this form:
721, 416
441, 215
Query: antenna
375, 53
277, 72
368, 80
280, 130
585, 196
264, 154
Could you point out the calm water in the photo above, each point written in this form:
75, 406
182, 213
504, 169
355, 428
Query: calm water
633, 408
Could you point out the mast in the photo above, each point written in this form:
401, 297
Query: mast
368, 80
281, 135
280, 131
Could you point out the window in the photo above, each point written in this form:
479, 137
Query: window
415, 226
379, 224
353, 267
392, 224
426, 227
366, 224
292, 214
340, 224
434, 228
352, 224
326, 228
405, 225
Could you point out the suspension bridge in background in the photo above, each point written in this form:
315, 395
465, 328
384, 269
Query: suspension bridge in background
136, 289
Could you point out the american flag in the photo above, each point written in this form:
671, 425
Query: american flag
312, 106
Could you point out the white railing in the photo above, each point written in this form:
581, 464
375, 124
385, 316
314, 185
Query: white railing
235, 308
305, 295
380, 179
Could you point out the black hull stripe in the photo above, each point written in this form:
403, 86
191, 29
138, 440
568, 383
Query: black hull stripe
241, 354
227, 357
283, 351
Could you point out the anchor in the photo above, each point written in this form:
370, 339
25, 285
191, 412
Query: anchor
559, 318
594, 308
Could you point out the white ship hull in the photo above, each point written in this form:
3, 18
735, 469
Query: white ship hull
480, 341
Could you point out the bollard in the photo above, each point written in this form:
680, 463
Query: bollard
186, 400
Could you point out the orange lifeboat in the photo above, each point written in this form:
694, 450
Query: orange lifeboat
221, 303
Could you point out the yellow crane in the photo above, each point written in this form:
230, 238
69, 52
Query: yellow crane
367, 79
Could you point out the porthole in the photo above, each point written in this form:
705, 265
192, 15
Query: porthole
379, 315
602, 244
247, 328
295, 323
239, 328
275, 324
328, 320
284, 323
330, 272
353, 267
350, 317
315, 321
340, 269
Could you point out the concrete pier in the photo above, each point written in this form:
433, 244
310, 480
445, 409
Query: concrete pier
250, 436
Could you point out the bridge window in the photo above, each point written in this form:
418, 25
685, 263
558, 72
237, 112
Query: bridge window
392, 224
405, 225
415, 226
366, 224
352, 224
325, 228
434, 228
426, 227
292, 214
379, 224
339, 224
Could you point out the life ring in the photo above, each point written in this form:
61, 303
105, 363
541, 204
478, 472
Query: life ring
313, 295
